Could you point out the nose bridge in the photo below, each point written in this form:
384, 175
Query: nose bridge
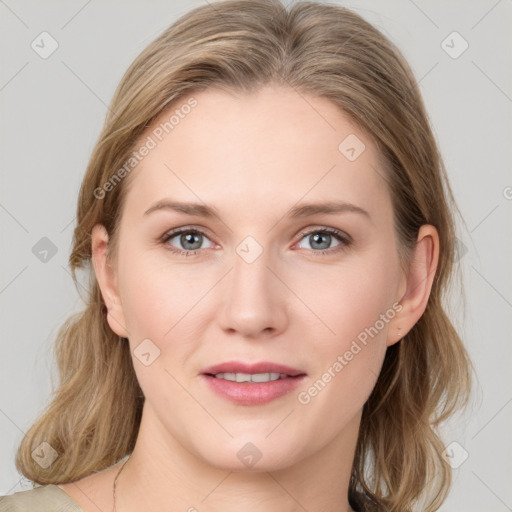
253, 302
250, 276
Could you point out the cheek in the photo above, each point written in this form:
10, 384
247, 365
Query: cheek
347, 363
147, 303
355, 306
156, 300
155, 294
351, 298
165, 303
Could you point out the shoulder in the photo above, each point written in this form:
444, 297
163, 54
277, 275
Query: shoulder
45, 498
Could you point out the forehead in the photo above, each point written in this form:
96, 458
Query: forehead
252, 152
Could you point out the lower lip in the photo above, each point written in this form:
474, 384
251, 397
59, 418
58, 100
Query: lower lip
253, 393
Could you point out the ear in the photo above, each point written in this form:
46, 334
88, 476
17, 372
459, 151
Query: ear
107, 280
417, 284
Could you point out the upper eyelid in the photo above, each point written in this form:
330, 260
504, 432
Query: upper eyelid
186, 229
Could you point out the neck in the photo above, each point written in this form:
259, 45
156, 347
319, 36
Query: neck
162, 473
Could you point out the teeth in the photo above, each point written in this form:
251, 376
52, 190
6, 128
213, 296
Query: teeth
251, 377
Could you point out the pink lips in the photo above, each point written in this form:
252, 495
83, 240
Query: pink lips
252, 393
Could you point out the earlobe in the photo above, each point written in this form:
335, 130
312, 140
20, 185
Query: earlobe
106, 277
419, 282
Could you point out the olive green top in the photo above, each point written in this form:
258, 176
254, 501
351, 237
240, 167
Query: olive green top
45, 498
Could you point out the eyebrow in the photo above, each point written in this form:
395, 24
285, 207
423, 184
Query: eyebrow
300, 211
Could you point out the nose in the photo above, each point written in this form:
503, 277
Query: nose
254, 301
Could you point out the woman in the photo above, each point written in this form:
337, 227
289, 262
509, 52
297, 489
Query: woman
225, 360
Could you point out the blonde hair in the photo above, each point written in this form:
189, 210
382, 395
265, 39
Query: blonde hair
326, 51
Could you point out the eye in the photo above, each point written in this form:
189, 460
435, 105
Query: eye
320, 240
189, 241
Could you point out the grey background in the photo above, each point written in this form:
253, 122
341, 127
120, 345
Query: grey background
52, 110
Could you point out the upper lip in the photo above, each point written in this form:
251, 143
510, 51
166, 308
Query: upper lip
261, 367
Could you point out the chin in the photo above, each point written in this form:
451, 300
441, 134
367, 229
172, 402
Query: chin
245, 456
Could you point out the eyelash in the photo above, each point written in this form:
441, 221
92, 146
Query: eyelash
345, 240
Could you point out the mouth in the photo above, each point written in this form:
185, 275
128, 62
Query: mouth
251, 372
252, 384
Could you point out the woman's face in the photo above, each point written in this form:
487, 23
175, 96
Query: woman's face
252, 282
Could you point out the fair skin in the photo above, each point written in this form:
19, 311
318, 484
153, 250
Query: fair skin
253, 157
